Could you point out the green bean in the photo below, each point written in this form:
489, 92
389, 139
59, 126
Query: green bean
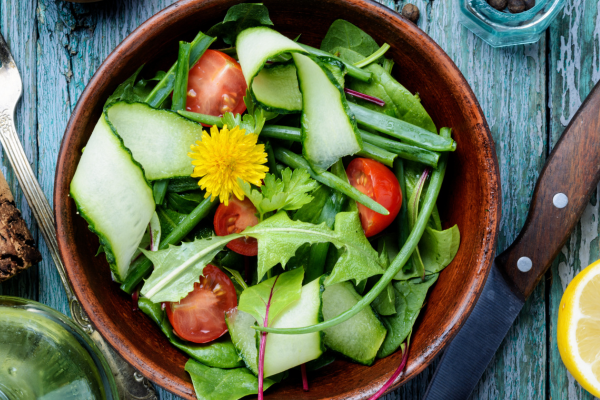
403, 150
140, 267
202, 118
271, 160
373, 57
327, 178
318, 252
181, 77
159, 190
164, 88
295, 134
399, 129
352, 70
403, 216
411, 243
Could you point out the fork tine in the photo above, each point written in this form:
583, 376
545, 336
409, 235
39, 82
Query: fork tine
5, 56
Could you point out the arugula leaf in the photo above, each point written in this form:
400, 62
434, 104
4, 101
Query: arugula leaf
410, 296
219, 353
238, 18
177, 268
223, 384
282, 290
288, 193
344, 34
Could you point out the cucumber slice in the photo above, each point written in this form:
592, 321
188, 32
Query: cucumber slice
113, 196
158, 139
256, 45
329, 130
276, 89
360, 337
244, 338
283, 352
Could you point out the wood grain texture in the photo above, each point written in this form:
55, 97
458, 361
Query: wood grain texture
19, 28
574, 44
509, 83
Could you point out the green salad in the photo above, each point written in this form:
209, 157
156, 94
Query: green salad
269, 205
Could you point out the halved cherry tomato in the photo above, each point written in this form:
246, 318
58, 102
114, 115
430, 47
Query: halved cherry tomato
200, 316
216, 85
379, 183
234, 218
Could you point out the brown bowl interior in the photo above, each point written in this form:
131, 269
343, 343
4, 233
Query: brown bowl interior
470, 195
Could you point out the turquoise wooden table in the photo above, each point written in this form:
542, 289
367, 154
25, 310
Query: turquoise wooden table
528, 93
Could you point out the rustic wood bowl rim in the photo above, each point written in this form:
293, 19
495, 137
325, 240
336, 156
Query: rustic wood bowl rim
100, 81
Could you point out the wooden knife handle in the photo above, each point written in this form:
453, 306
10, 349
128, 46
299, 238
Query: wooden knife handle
570, 176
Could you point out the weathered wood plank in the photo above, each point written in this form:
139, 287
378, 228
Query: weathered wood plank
510, 84
18, 26
574, 69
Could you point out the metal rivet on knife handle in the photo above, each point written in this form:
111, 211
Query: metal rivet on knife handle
560, 200
524, 264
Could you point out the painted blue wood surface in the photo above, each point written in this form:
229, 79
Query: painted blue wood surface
528, 94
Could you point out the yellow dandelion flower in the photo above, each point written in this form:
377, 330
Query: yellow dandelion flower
224, 156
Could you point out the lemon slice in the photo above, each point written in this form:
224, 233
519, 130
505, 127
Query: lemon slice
579, 328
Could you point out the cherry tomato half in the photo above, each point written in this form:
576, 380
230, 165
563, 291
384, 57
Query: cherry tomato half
216, 85
379, 183
200, 316
234, 218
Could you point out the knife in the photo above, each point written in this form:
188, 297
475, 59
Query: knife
131, 384
562, 192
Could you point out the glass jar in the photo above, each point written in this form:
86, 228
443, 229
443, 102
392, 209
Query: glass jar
502, 28
44, 355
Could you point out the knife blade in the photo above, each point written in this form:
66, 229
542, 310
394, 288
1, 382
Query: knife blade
562, 192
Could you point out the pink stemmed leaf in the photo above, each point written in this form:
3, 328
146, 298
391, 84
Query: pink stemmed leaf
304, 378
263, 343
265, 301
365, 97
396, 373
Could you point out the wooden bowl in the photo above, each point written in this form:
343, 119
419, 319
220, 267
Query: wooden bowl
470, 195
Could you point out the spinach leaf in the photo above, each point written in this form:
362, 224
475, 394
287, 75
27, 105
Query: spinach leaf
279, 292
238, 18
223, 384
399, 102
385, 303
413, 212
344, 34
130, 90
219, 353
438, 248
178, 185
169, 219
288, 193
180, 203
410, 296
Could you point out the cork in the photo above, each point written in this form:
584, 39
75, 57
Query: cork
17, 249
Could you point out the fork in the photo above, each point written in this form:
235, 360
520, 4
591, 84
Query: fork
130, 383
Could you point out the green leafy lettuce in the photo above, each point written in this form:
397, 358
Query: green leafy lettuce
288, 193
